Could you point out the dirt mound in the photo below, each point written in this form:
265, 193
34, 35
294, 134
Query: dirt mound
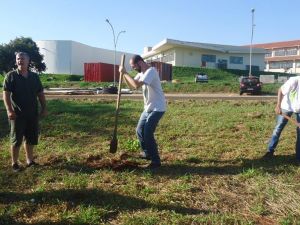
53, 160
97, 162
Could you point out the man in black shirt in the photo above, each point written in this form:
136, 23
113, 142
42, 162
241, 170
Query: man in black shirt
21, 88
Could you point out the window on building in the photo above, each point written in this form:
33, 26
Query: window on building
281, 65
274, 65
291, 51
163, 58
168, 58
235, 60
253, 68
288, 64
222, 64
269, 53
297, 64
208, 58
279, 52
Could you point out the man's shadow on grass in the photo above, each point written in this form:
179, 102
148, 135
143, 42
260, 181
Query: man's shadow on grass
72, 198
10, 220
275, 165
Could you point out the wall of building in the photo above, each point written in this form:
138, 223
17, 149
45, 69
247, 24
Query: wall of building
284, 66
282, 57
257, 60
294, 69
285, 63
68, 57
57, 55
192, 58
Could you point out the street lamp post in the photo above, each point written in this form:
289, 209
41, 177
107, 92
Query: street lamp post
115, 47
252, 29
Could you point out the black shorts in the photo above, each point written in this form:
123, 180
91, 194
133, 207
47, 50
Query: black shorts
24, 127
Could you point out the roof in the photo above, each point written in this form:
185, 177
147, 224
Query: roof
78, 43
167, 44
282, 44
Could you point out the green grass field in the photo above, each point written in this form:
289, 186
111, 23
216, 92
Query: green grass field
211, 174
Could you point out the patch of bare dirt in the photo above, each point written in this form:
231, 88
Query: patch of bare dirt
238, 127
255, 115
262, 220
98, 162
53, 160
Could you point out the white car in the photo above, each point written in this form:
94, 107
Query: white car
201, 77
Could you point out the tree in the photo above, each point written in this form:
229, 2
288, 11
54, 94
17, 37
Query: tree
4, 55
8, 58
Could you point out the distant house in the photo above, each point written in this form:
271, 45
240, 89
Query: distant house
192, 54
68, 57
282, 56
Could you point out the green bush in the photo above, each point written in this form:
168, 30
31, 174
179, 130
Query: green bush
74, 78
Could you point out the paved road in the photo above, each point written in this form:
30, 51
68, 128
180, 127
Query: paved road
177, 96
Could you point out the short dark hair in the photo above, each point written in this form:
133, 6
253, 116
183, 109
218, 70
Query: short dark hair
136, 59
23, 54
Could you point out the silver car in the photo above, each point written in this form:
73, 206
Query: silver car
201, 77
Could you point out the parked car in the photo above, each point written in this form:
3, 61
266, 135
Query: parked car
250, 85
201, 77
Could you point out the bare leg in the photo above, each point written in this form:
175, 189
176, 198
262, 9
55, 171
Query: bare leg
14, 151
29, 152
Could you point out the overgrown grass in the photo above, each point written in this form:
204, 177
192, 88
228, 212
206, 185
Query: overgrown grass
211, 174
219, 81
187, 73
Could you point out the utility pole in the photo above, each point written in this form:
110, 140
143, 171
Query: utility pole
252, 30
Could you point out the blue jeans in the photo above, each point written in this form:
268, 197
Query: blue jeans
145, 133
281, 122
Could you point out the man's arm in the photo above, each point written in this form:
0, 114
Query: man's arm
279, 100
131, 82
42, 101
7, 102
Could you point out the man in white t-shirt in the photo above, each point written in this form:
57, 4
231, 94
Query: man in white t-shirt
154, 106
288, 102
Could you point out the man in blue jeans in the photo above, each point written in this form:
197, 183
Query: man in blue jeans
154, 106
288, 102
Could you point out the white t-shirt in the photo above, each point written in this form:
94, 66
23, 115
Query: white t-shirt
154, 98
291, 92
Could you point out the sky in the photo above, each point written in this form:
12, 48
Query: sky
149, 22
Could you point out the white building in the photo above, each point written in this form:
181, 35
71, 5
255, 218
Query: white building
191, 54
282, 56
68, 57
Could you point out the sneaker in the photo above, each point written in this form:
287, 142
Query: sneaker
16, 167
152, 166
142, 155
268, 155
32, 163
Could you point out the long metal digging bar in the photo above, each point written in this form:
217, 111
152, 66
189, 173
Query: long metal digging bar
291, 119
114, 142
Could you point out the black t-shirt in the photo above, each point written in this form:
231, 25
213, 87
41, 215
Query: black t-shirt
24, 91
